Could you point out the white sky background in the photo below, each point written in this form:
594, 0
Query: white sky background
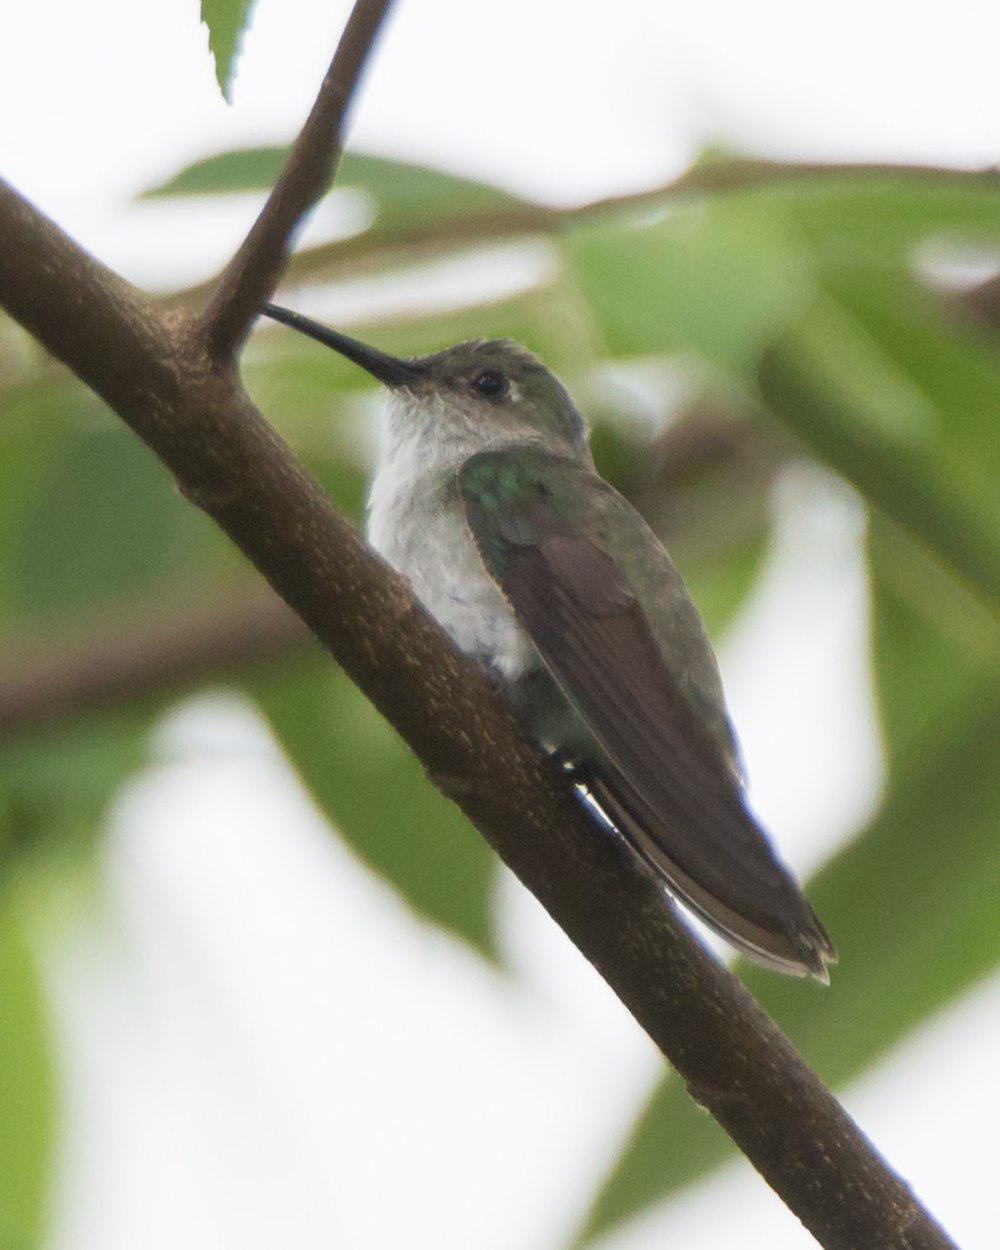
263, 1047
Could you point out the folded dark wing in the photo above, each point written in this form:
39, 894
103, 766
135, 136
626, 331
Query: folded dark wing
665, 778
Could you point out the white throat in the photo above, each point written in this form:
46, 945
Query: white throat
416, 522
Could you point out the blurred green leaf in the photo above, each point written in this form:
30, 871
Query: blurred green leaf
56, 784
911, 902
936, 646
717, 278
403, 193
878, 219
721, 586
55, 790
27, 1110
226, 21
103, 487
810, 279
904, 406
373, 789
90, 522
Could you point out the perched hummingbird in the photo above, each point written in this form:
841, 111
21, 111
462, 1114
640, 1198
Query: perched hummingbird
486, 498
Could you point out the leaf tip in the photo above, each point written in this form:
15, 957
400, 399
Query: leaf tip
227, 22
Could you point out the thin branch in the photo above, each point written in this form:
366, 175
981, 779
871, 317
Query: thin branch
253, 273
156, 371
125, 662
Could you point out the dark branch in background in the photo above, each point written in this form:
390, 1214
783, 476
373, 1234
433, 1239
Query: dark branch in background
187, 404
724, 175
128, 662
255, 270
980, 305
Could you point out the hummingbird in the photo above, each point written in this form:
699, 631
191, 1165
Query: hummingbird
486, 499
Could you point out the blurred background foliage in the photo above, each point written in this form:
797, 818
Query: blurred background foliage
806, 312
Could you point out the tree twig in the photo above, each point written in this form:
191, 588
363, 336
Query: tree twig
253, 273
156, 371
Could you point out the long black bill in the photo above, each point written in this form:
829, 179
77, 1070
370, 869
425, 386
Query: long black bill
389, 370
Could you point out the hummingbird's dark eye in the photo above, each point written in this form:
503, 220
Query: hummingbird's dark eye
490, 382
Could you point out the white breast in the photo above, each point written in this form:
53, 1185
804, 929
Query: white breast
422, 533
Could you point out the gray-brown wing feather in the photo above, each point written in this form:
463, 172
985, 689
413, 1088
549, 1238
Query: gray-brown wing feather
608, 663
664, 779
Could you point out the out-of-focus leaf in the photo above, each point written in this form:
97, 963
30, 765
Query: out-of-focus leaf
403, 193
106, 525
226, 21
811, 277
55, 789
721, 585
878, 219
89, 520
27, 1110
374, 791
911, 903
936, 646
876, 383
718, 279
704, 489
56, 784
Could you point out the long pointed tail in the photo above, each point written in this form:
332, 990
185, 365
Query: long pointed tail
794, 942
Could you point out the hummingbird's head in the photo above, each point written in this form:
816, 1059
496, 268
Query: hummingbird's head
484, 391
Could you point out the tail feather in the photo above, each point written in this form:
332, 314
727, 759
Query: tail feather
794, 943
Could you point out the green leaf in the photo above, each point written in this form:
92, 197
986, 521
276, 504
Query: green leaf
715, 278
904, 406
403, 193
374, 792
911, 903
227, 21
27, 1100
936, 646
878, 219
107, 524
56, 783
90, 522
720, 586
802, 291
55, 790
